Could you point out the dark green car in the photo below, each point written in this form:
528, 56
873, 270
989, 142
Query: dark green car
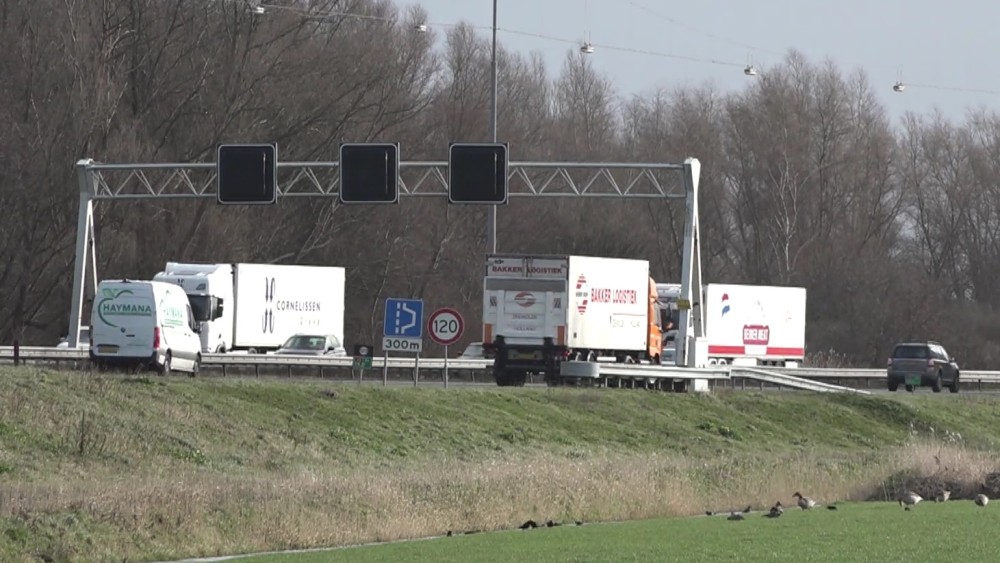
922, 364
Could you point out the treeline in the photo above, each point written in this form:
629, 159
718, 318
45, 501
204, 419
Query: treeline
893, 228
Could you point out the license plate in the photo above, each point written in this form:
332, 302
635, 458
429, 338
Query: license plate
107, 349
524, 355
913, 380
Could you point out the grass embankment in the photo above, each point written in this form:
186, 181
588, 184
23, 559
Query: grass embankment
95, 468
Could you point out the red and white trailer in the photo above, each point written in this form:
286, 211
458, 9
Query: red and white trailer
749, 324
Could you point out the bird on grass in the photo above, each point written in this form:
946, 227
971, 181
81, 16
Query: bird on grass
775, 511
805, 503
942, 496
735, 516
981, 500
909, 499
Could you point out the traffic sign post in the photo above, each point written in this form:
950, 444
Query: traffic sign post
404, 325
402, 330
446, 326
362, 359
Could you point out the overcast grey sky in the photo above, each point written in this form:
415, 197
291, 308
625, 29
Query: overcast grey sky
932, 45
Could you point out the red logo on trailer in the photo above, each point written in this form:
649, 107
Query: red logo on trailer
525, 299
756, 335
582, 294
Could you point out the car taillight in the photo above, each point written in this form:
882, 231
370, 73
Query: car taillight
565, 353
930, 362
889, 363
156, 337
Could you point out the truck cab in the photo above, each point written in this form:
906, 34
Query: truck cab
209, 288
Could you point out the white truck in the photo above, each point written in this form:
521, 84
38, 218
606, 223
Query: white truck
540, 310
746, 324
256, 307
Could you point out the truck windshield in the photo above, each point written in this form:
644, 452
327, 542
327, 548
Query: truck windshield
201, 306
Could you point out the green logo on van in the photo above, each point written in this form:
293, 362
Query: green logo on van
172, 316
107, 308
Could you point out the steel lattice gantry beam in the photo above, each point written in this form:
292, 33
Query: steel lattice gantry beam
98, 181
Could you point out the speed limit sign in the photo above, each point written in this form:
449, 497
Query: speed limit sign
445, 326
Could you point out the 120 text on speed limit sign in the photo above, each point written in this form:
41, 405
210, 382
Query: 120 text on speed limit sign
446, 326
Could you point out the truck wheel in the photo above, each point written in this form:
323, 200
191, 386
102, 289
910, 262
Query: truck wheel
893, 386
936, 384
196, 368
909, 388
165, 368
519, 380
501, 378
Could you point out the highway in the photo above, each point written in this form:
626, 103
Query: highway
399, 371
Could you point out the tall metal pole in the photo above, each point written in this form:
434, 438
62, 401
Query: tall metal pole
491, 215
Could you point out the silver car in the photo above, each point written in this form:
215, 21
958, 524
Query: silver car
916, 364
312, 345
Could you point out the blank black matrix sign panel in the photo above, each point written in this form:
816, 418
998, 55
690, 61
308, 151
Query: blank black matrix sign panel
247, 174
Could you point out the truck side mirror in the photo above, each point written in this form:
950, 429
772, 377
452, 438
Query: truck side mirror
218, 308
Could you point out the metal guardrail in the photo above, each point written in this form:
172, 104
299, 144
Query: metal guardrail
785, 380
984, 376
639, 371
341, 361
697, 378
773, 374
43, 353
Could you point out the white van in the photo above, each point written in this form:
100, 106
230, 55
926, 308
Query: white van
144, 322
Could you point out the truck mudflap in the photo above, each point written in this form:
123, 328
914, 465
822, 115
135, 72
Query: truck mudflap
512, 364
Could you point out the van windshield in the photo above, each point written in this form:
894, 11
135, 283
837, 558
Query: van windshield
201, 307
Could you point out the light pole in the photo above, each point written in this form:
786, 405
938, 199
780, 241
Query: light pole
491, 215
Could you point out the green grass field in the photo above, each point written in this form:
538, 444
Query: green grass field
875, 531
149, 468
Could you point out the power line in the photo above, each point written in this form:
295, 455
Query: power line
954, 89
701, 31
647, 52
609, 47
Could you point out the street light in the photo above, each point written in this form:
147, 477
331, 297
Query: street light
491, 214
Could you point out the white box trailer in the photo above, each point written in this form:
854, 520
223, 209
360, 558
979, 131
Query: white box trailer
748, 324
257, 307
538, 310
755, 323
